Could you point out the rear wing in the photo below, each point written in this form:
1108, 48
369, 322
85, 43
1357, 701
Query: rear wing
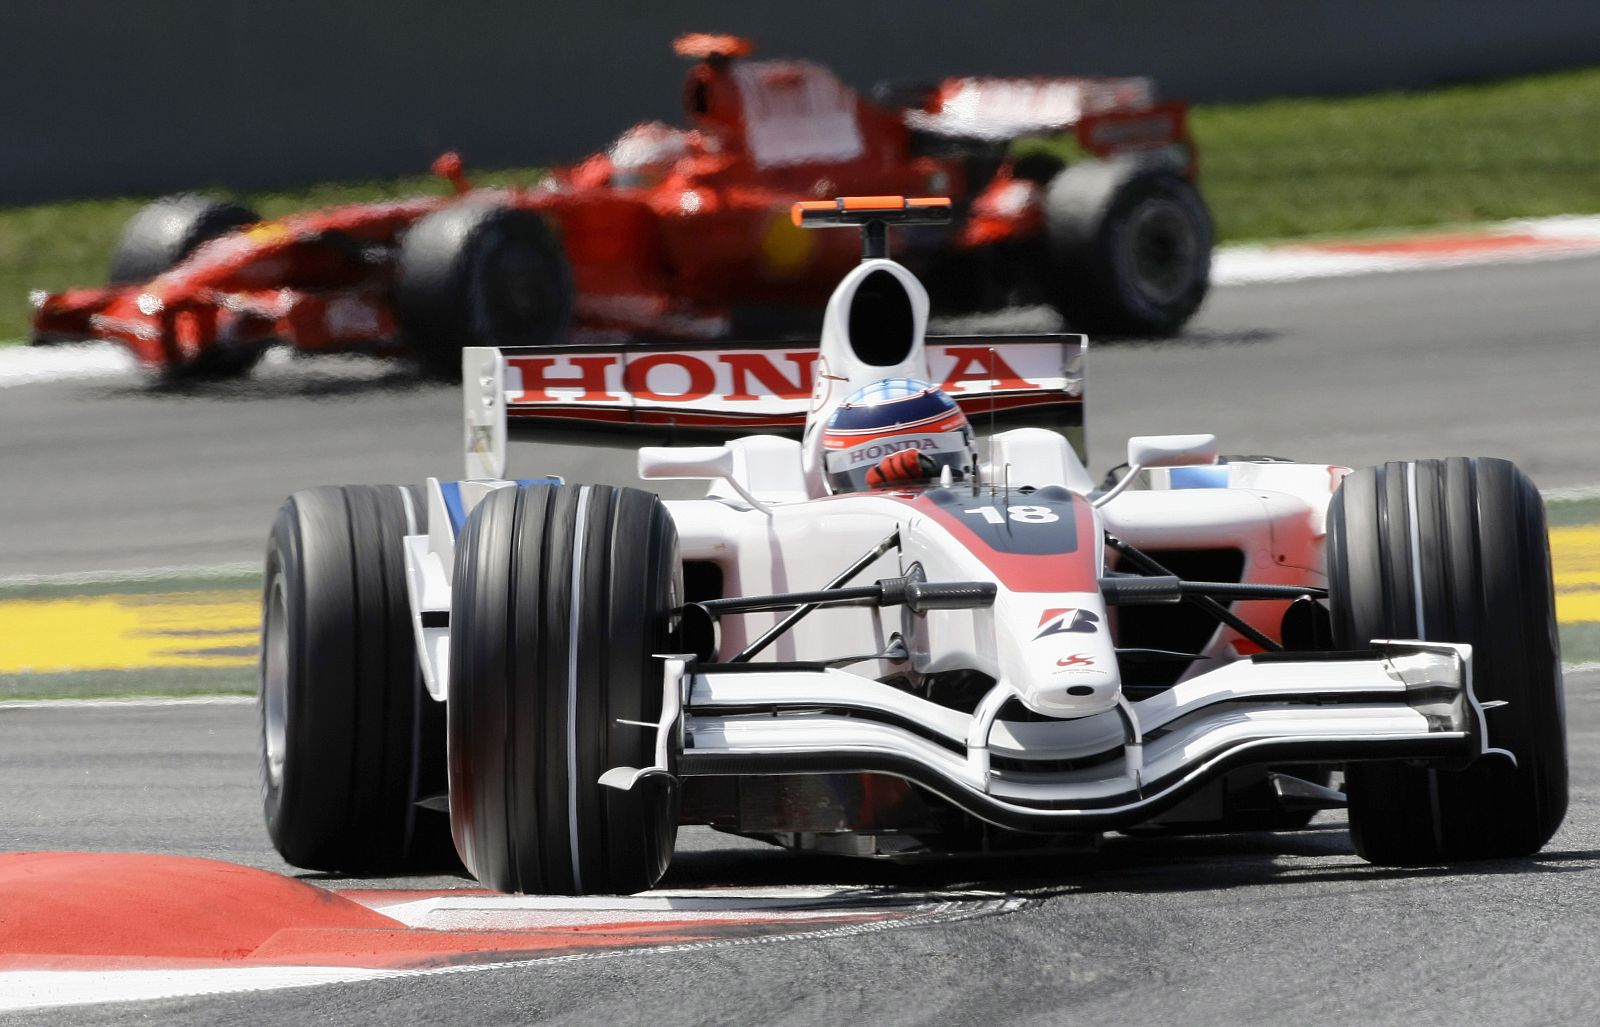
705, 394
1109, 116
1009, 108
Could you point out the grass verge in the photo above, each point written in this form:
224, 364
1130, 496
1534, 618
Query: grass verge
1567, 513
70, 587
106, 684
1287, 168
1525, 147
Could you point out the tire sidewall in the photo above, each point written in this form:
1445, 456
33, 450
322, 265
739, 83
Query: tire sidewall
359, 738
451, 290
507, 237
1167, 197
283, 578
1093, 213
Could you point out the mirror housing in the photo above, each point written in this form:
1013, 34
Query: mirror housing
704, 462
1171, 450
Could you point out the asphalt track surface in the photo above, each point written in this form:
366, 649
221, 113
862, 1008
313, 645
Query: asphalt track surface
1247, 929
1244, 929
1488, 361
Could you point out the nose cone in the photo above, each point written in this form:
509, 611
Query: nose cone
1077, 691
1064, 665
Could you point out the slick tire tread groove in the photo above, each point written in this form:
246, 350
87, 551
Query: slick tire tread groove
512, 787
361, 739
1484, 566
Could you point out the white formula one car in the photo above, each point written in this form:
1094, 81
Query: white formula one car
885, 639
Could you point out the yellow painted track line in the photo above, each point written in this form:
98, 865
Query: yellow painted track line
218, 628
221, 627
1575, 556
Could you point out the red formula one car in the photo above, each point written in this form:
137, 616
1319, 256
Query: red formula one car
686, 233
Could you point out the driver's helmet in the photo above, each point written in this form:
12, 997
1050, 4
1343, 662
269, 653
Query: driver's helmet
644, 155
896, 431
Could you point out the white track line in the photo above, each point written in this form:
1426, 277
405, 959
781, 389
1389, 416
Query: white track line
1582, 227
24, 365
39, 989
540, 912
1570, 493
137, 575
135, 702
1570, 235
53, 989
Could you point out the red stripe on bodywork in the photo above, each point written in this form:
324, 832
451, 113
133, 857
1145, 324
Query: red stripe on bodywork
1073, 571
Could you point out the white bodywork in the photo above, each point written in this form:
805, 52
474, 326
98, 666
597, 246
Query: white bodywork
768, 527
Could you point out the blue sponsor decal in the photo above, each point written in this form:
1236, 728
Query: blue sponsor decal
1211, 477
451, 493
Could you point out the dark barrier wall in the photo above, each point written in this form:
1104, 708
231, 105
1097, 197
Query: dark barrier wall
142, 96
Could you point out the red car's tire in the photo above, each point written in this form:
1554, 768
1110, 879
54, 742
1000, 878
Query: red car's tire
477, 274
1128, 248
350, 741
168, 230
561, 602
1455, 550
156, 239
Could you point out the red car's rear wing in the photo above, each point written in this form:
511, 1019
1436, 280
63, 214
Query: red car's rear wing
691, 393
1009, 108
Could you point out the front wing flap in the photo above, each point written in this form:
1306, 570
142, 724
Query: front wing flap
1401, 700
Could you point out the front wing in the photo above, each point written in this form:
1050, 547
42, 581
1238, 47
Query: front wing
1401, 700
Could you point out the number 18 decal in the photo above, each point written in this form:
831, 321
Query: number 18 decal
1019, 514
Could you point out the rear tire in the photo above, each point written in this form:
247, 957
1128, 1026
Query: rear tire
475, 274
1482, 561
350, 740
1129, 248
562, 599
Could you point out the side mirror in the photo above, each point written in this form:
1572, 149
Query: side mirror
1146, 451
1171, 450
705, 462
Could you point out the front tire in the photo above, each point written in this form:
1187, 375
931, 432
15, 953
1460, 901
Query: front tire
167, 230
350, 741
160, 236
1456, 551
1129, 248
561, 602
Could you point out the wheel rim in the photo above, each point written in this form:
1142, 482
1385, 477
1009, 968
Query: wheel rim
275, 684
1160, 251
516, 298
